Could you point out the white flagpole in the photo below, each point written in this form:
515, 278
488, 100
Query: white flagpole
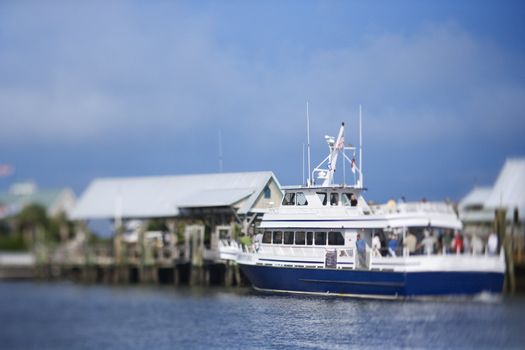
308, 147
302, 169
360, 150
220, 151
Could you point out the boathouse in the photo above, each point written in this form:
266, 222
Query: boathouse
228, 197
182, 218
477, 208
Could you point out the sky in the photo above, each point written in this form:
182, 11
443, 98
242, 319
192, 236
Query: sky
136, 88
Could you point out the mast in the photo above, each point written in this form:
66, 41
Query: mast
302, 169
308, 146
220, 151
361, 183
336, 147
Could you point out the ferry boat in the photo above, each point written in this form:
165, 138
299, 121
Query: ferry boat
321, 241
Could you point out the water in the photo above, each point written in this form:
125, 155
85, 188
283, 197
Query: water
69, 316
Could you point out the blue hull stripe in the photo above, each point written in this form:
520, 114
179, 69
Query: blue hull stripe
294, 261
374, 283
304, 262
389, 284
319, 220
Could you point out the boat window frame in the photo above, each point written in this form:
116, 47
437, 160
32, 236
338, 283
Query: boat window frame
288, 233
289, 202
336, 196
341, 241
310, 238
274, 234
346, 199
323, 200
300, 195
320, 233
303, 239
264, 234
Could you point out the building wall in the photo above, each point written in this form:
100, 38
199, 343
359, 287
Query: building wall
275, 198
65, 202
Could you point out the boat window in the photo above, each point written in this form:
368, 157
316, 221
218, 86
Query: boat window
289, 198
322, 196
320, 238
299, 238
335, 238
267, 237
301, 199
288, 237
277, 237
309, 238
349, 199
334, 198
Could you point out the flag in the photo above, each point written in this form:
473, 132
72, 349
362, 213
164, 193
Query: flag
6, 169
353, 165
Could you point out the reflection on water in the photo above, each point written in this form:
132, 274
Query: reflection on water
67, 316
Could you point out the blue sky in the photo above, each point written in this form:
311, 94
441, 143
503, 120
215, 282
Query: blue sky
132, 88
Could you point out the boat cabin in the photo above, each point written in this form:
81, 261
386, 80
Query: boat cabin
320, 197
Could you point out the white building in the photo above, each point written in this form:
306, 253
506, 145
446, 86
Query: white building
477, 209
22, 194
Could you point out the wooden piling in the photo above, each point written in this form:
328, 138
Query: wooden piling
506, 245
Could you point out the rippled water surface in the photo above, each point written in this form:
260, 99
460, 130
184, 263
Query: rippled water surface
68, 316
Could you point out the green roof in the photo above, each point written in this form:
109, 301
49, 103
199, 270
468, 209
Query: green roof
15, 202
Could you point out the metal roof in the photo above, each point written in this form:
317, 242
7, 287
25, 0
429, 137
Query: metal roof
508, 192
48, 198
477, 197
162, 196
509, 189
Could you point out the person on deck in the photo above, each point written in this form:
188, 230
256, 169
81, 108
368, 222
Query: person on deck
457, 244
410, 243
428, 242
447, 241
492, 244
392, 245
361, 251
477, 245
376, 245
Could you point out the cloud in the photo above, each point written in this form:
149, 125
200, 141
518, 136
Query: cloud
73, 78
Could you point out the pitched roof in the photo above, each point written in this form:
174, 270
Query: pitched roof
14, 202
162, 196
476, 197
509, 189
507, 192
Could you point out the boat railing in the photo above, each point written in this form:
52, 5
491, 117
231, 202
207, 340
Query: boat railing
413, 207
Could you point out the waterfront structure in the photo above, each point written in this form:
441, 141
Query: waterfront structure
22, 194
477, 208
225, 204
322, 240
228, 197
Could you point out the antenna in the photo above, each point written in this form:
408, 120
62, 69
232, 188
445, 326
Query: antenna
302, 169
308, 140
360, 150
344, 168
220, 151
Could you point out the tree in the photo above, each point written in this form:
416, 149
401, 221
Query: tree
32, 219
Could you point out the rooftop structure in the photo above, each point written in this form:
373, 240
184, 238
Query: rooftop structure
22, 194
508, 192
171, 196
